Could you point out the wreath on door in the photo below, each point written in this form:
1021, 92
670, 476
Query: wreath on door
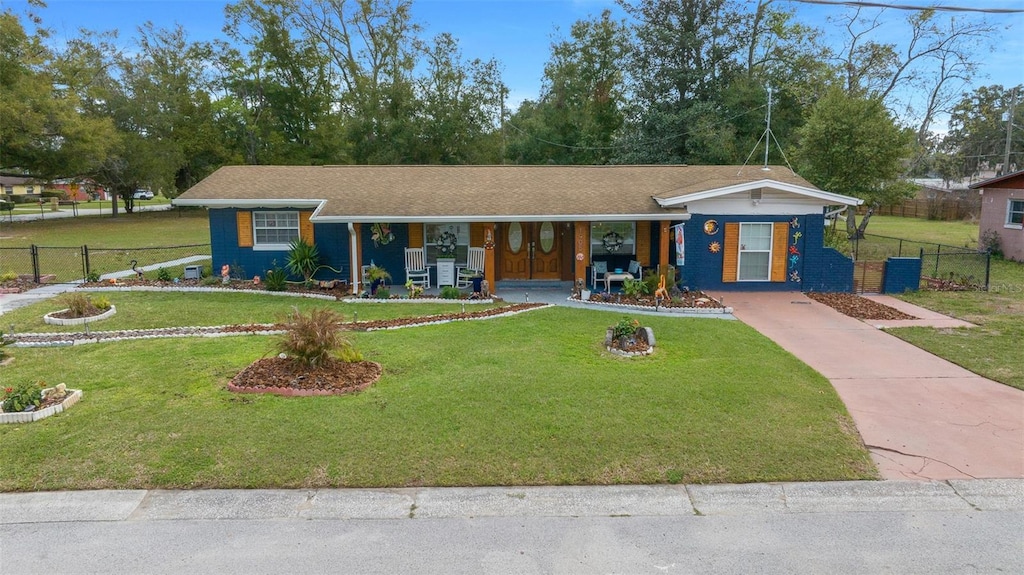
381, 234
612, 242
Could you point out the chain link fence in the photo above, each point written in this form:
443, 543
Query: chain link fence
46, 264
942, 266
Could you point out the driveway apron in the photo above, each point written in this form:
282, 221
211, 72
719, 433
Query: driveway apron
921, 416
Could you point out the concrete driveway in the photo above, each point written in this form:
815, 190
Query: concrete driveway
921, 416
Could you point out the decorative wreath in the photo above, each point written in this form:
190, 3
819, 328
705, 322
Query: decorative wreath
446, 244
612, 242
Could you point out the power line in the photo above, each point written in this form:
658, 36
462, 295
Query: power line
911, 7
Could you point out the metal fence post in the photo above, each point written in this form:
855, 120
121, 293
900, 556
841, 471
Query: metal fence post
938, 254
988, 267
85, 262
34, 250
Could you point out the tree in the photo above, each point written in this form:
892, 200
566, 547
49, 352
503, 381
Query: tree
42, 132
851, 145
579, 111
977, 130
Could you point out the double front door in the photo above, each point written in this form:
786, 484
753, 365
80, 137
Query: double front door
531, 251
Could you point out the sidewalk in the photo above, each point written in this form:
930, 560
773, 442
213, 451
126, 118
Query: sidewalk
921, 416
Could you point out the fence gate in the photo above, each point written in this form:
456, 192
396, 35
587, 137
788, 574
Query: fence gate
868, 276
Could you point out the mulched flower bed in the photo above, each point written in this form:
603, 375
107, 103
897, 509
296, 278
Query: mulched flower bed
90, 311
290, 377
17, 285
688, 299
855, 306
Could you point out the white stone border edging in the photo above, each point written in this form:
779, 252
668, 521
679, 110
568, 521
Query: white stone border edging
29, 416
416, 300
48, 318
63, 340
210, 289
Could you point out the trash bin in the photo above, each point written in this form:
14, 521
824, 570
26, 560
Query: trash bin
193, 272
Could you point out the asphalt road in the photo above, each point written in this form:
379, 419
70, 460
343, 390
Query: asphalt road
846, 527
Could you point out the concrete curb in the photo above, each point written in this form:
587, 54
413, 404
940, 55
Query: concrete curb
464, 502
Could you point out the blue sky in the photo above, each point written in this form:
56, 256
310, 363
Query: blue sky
517, 33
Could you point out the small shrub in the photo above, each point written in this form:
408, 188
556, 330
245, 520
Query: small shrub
8, 276
635, 288
163, 275
415, 290
990, 242
625, 328
20, 396
101, 302
314, 337
93, 276
276, 279
210, 280
382, 293
450, 292
78, 303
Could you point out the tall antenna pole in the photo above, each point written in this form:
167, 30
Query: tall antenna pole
768, 127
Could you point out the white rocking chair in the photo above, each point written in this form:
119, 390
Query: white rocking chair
474, 267
415, 269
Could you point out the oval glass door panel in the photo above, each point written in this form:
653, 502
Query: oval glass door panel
515, 237
547, 237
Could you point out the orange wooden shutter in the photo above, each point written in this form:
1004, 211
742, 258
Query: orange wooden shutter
306, 227
244, 224
643, 243
731, 252
415, 235
780, 246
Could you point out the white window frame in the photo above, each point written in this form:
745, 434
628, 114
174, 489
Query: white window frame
742, 249
277, 217
432, 231
598, 231
1010, 212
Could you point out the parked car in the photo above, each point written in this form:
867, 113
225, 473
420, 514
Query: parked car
142, 195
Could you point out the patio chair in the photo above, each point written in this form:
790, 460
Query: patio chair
636, 270
598, 269
415, 269
474, 267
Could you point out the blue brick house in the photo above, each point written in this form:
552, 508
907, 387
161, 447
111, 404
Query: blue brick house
722, 227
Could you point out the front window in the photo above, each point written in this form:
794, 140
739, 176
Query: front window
755, 253
1015, 213
446, 240
612, 238
275, 230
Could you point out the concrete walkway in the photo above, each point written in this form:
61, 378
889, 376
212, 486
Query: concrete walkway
921, 416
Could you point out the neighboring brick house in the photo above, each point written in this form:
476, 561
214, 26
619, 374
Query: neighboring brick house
723, 227
1002, 213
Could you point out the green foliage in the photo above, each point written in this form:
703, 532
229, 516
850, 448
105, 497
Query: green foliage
852, 146
4, 342
77, 303
625, 327
303, 259
990, 242
415, 290
163, 275
382, 293
100, 302
8, 276
93, 276
838, 240
276, 279
209, 280
377, 273
635, 287
21, 395
450, 292
311, 338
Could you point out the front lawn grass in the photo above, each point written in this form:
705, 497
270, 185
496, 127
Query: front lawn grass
524, 400
993, 349
958, 233
136, 230
148, 310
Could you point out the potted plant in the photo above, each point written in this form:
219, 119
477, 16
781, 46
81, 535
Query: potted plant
377, 276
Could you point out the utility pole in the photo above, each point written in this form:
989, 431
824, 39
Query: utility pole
1009, 132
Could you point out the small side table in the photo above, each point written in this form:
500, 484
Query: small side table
445, 272
612, 277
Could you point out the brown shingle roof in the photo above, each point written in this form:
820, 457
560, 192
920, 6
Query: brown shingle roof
397, 193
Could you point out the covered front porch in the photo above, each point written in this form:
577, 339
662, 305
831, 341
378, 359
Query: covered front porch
522, 253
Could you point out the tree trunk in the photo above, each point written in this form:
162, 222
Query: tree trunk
851, 222
864, 221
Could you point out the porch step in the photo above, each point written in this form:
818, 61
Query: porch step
534, 284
